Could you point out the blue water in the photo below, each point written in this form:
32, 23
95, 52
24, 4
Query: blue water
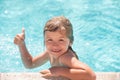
96, 26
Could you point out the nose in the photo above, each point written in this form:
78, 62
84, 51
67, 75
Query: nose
55, 44
55, 47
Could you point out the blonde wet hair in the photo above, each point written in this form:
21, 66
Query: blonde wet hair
63, 25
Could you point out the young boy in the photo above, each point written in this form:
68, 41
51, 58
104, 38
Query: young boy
58, 34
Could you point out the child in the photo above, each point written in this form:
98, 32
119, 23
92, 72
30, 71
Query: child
58, 34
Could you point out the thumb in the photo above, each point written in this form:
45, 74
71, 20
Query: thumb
23, 33
23, 30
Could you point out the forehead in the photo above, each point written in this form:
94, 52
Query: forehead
54, 34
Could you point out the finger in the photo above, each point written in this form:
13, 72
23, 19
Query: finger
20, 36
47, 76
45, 71
23, 30
16, 39
23, 33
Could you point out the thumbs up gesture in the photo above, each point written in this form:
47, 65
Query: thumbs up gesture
19, 38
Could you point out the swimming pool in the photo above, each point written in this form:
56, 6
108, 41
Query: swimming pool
96, 26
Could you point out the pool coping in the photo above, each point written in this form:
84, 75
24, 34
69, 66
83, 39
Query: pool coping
38, 76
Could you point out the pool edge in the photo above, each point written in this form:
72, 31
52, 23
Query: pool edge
38, 76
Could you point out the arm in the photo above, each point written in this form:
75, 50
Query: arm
77, 70
74, 74
28, 60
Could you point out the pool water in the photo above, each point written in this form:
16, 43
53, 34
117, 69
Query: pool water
96, 26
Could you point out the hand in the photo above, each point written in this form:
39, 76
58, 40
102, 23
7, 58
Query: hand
19, 38
46, 74
52, 72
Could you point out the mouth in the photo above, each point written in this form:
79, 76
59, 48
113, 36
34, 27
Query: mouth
56, 51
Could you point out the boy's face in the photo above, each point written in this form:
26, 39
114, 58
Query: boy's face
56, 43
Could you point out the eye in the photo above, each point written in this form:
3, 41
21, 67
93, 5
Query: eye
49, 40
61, 40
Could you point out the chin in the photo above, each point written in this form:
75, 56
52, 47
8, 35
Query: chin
56, 55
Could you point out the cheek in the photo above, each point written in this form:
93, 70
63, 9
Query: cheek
47, 45
65, 46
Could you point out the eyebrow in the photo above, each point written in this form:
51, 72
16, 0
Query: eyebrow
51, 37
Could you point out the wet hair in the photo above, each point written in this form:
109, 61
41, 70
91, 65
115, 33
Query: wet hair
63, 25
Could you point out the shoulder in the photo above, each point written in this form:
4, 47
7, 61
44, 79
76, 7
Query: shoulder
71, 61
68, 59
69, 54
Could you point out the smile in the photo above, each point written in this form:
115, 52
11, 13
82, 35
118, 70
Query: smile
56, 51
